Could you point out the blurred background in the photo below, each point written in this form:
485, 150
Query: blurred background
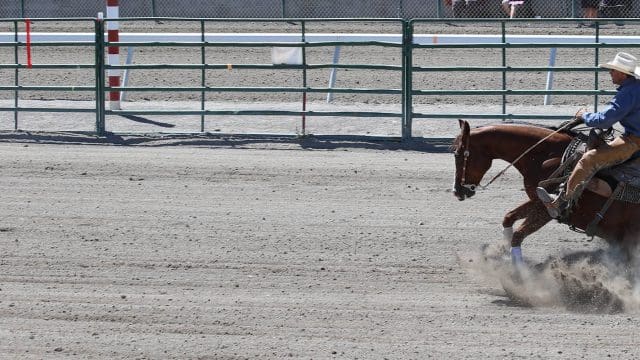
405, 9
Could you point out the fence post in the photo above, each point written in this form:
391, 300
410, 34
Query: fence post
153, 8
504, 67
99, 63
439, 10
407, 79
597, 60
203, 74
304, 78
16, 73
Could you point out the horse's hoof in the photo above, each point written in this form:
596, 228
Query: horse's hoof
516, 256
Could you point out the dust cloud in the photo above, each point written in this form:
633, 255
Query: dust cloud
599, 281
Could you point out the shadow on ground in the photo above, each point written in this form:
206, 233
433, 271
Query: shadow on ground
258, 141
143, 120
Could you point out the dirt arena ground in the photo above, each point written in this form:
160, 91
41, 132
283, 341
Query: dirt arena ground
242, 248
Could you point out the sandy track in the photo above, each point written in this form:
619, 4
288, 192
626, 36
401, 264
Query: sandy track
267, 250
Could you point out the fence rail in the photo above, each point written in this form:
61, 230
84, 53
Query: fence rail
406, 45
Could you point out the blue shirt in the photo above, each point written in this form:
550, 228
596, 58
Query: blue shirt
623, 108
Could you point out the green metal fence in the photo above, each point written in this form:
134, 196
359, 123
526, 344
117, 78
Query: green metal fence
405, 45
20, 63
591, 50
209, 85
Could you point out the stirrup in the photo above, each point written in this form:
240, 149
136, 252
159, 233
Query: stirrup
555, 205
544, 196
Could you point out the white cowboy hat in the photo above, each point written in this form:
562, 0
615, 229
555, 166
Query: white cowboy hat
623, 62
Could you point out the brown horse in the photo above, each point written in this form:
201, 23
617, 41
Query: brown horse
474, 151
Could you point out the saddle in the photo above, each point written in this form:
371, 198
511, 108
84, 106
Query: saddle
620, 182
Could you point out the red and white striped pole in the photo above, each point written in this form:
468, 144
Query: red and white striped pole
113, 53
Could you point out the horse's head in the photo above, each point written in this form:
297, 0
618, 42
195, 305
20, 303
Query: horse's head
472, 163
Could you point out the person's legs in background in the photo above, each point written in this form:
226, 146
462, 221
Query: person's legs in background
517, 8
590, 10
506, 7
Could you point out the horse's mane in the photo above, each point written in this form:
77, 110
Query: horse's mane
526, 123
456, 141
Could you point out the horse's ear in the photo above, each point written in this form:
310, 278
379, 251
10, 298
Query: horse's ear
464, 126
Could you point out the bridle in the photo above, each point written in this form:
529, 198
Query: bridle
465, 154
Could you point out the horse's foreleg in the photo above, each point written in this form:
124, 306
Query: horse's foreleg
512, 216
535, 219
535, 216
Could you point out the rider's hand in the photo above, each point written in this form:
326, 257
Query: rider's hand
570, 124
575, 122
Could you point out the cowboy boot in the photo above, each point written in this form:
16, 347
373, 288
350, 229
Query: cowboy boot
556, 204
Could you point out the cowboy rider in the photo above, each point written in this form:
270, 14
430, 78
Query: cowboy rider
623, 108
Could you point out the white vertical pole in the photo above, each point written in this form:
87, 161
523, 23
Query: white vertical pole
332, 76
125, 73
552, 63
113, 57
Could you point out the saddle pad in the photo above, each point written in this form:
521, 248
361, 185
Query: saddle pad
627, 172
